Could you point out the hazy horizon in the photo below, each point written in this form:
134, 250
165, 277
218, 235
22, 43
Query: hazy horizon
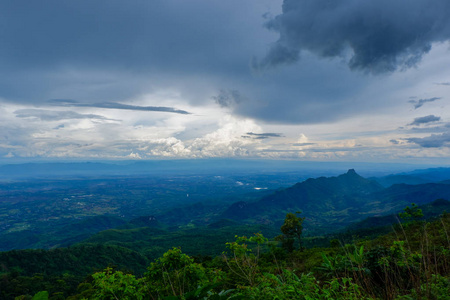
190, 167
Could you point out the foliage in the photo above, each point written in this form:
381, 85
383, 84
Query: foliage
77, 260
413, 213
292, 229
116, 285
412, 262
243, 262
40, 296
287, 285
174, 274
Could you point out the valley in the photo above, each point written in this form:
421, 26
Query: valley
77, 225
49, 213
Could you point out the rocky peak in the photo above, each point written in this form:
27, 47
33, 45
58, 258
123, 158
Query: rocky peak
351, 172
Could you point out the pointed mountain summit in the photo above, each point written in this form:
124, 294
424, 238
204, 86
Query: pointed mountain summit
340, 191
351, 172
325, 198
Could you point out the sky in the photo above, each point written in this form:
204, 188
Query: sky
313, 80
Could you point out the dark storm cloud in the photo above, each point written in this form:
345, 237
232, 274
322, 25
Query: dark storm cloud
50, 115
114, 105
132, 46
432, 141
262, 136
425, 120
128, 34
228, 98
419, 103
373, 36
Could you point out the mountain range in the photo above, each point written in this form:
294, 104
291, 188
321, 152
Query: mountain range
331, 203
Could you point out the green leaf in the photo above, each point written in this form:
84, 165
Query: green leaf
40, 296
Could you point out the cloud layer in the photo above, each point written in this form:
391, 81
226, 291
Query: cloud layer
262, 136
425, 120
114, 105
372, 36
200, 78
432, 141
419, 103
49, 115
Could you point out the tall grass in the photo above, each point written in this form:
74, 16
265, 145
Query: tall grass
410, 263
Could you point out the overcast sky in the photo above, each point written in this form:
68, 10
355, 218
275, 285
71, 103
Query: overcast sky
343, 80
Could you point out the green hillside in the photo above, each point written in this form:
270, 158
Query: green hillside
410, 262
332, 203
153, 242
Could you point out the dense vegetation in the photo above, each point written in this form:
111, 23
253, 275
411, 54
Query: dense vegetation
57, 213
44, 214
411, 262
343, 237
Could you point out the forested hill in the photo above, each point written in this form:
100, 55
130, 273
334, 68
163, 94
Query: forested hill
333, 202
205, 231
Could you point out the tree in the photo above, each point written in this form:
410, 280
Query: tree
113, 285
174, 274
292, 229
243, 263
413, 213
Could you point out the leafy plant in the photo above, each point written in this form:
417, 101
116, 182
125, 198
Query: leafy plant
413, 213
174, 274
242, 262
116, 285
292, 229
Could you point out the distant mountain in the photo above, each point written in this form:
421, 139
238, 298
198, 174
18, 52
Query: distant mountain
387, 181
333, 202
430, 210
375, 226
156, 167
432, 175
63, 168
335, 193
396, 197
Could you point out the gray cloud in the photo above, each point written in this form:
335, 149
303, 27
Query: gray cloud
228, 98
432, 141
395, 142
262, 136
419, 103
303, 144
373, 36
116, 50
114, 105
321, 150
50, 115
190, 49
425, 120
431, 129
442, 83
